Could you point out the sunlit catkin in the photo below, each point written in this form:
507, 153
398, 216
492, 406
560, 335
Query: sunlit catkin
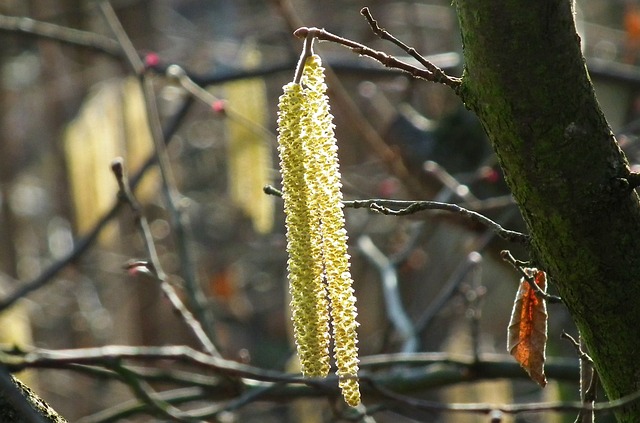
323, 179
309, 303
316, 237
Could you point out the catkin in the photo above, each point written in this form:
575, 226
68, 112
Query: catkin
316, 235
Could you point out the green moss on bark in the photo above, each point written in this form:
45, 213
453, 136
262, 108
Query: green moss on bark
526, 80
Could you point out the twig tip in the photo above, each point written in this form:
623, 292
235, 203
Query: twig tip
117, 166
301, 32
175, 71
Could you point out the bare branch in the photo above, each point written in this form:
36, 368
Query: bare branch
145, 393
588, 388
406, 207
179, 75
70, 36
154, 267
383, 58
488, 409
438, 74
520, 267
179, 219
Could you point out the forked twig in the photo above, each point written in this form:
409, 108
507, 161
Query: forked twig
520, 267
438, 74
406, 207
154, 267
383, 58
588, 380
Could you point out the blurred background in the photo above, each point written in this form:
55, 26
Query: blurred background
67, 111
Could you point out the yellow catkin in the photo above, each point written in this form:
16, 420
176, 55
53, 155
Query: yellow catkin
248, 152
309, 303
323, 179
316, 237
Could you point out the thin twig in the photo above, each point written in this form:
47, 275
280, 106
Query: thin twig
438, 74
127, 48
178, 74
179, 219
41, 358
133, 407
474, 296
182, 396
583, 356
406, 207
519, 266
155, 267
86, 241
238, 402
383, 58
307, 51
403, 208
64, 35
449, 181
462, 370
145, 393
587, 389
419, 404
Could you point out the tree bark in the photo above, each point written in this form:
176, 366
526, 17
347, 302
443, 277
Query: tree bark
526, 79
12, 407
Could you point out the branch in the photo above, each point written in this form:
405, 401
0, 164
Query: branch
450, 185
488, 409
146, 394
181, 76
405, 207
85, 242
431, 370
133, 407
390, 207
520, 267
354, 115
104, 356
438, 74
588, 389
383, 58
19, 403
64, 35
154, 267
179, 218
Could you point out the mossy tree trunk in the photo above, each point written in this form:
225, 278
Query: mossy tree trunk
525, 78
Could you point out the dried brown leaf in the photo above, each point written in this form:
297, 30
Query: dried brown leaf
528, 328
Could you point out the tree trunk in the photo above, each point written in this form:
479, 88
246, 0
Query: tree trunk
526, 79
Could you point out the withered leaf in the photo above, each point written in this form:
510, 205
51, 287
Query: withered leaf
528, 328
